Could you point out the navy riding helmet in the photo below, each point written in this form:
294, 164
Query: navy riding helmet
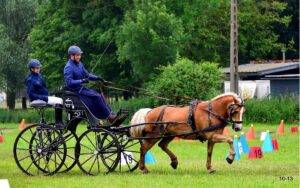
74, 50
33, 63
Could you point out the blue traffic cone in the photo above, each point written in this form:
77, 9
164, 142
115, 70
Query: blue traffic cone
244, 143
149, 158
267, 144
236, 148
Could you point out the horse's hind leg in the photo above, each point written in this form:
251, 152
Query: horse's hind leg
163, 144
145, 146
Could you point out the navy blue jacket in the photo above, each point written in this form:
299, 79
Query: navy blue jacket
36, 87
74, 73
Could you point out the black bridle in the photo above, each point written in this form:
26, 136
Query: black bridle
231, 111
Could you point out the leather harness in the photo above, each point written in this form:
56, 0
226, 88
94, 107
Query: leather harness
191, 120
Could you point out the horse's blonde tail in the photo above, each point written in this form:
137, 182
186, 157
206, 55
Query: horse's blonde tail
138, 118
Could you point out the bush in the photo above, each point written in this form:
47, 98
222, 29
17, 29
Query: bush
272, 110
133, 105
262, 111
186, 79
30, 115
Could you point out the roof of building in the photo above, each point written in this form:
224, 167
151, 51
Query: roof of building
265, 68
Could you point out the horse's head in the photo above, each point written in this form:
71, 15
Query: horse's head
235, 111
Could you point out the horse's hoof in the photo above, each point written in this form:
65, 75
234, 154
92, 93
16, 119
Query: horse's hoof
145, 171
174, 165
229, 161
211, 171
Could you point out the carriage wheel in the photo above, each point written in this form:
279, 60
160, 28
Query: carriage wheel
99, 152
70, 139
130, 154
39, 149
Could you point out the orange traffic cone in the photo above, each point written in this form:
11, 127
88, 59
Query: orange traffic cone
280, 129
250, 135
22, 125
1, 137
226, 131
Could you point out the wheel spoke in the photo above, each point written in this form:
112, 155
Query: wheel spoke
68, 155
93, 164
55, 162
69, 137
46, 164
87, 160
24, 149
24, 140
86, 147
108, 145
25, 157
107, 157
86, 153
62, 160
98, 166
31, 164
90, 141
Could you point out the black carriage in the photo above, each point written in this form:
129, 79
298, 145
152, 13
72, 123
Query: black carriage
47, 148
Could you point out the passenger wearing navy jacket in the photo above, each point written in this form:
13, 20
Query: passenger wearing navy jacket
37, 90
76, 75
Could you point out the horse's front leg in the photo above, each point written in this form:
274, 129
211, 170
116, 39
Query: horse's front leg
222, 138
210, 147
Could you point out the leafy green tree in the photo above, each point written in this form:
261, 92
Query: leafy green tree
207, 29
187, 80
149, 37
289, 36
92, 25
16, 20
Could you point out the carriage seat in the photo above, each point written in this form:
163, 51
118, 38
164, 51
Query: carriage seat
38, 104
72, 101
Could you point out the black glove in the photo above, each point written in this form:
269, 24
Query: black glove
85, 80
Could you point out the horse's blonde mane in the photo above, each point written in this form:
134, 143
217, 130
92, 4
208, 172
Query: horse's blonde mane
227, 94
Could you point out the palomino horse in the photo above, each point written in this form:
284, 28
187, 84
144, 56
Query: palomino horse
209, 119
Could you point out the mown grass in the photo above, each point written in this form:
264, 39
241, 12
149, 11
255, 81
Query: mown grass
191, 172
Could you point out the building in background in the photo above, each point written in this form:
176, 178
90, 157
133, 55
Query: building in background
267, 78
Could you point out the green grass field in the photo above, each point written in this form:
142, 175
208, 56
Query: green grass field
270, 171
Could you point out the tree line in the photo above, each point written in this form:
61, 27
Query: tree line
127, 41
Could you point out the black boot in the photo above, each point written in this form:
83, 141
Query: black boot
58, 116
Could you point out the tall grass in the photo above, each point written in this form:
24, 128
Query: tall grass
272, 110
30, 115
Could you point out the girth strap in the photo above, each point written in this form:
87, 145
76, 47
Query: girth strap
191, 120
160, 118
191, 116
